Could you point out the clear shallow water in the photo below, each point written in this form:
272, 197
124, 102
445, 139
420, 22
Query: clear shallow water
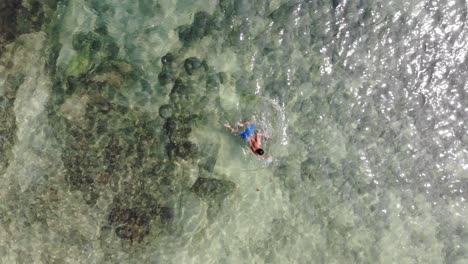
365, 101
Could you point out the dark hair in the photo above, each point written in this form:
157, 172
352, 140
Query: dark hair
260, 151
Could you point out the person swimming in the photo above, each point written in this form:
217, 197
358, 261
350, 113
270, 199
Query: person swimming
253, 139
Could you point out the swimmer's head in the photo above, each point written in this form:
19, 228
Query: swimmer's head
259, 151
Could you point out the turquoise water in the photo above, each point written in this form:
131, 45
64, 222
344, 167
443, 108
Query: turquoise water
113, 149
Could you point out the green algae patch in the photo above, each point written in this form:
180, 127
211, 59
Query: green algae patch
93, 49
79, 64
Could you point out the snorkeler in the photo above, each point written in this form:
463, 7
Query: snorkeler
253, 139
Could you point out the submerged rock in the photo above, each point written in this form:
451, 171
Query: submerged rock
19, 17
109, 48
179, 88
212, 189
203, 25
96, 52
192, 64
8, 15
166, 214
165, 111
167, 59
165, 76
184, 149
177, 130
127, 216
223, 77
132, 224
132, 216
212, 82
82, 40
132, 232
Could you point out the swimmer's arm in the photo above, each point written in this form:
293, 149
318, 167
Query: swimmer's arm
262, 135
251, 121
233, 130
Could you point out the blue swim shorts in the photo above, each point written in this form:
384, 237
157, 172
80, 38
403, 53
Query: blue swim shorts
248, 132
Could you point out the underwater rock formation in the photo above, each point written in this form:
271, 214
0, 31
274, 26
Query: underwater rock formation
8, 14
19, 17
107, 141
104, 141
131, 223
112, 149
203, 25
212, 189
191, 65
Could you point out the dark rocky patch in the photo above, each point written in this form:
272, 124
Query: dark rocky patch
165, 111
166, 214
131, 216
8, 16
82, 40
114, 141
184, 149
16, 19
132, 232
203, 25
132, 223
167, 59
223, 77
191, 65
212, 189
212, 82
127, 216
166, 77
